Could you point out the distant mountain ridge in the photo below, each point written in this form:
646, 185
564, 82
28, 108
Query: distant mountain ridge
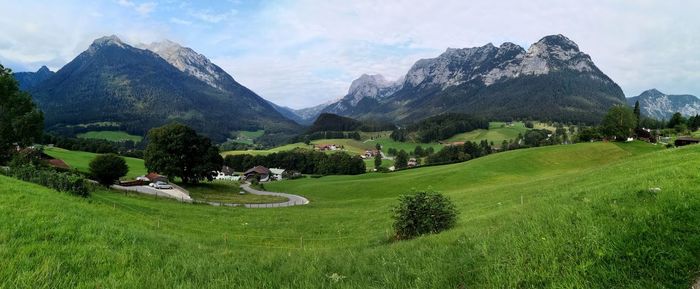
29, 80
138, 89
551, 80
658, 105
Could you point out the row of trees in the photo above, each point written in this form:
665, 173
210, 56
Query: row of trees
301, 160
21, 122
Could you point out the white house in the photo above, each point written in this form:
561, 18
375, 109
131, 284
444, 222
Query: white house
277, 173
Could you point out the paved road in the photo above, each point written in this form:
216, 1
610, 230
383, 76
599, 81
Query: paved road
294, 200
174, 193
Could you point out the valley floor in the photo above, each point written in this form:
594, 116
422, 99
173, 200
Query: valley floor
575, 216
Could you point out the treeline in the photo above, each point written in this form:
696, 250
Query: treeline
306, 138
439, 127
124, 148
75, 130
304, 161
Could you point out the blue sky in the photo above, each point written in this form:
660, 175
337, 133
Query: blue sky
302, 53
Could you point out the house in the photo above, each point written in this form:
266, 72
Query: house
412, 162
155, 177
258, 172
685, 140
276, 173
370, 154
326, 147
226, 173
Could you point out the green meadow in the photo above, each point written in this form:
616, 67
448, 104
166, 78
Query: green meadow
116, 136
81, 161
497, 133
572, 216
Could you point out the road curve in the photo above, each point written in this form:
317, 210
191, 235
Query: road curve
293, 200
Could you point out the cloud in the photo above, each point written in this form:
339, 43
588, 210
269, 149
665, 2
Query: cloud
180, 21
212, 17
142, 9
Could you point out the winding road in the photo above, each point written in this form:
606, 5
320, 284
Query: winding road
293, 200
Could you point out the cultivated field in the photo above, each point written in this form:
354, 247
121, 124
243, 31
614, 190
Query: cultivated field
81, 161
575, 216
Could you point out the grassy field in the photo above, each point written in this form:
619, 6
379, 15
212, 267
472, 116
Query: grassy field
351, 146
81, 161
369, 163
497, 132
116, 136
575, 216
227, 192
247, 137
388, 143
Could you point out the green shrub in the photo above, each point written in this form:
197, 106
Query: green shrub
423, 213
108, 168
60, 181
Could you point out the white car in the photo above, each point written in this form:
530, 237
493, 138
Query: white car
160, 185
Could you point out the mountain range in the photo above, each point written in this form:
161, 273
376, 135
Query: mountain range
140, 88
656, 104
551, 80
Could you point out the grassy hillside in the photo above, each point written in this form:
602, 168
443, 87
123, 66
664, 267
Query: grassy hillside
577, 216
81, 161
351, 146
116, 136
388, 143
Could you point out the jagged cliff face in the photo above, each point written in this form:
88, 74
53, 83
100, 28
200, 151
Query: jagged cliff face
656, 104
29, 80
491, 64
551, 80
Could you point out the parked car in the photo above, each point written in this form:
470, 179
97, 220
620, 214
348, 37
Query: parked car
161, 185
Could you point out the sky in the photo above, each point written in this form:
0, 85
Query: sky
303, 53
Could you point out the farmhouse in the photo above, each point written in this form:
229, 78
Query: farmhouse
326, 147
258, 172
370, 154
276, 173
685, 140
412, 162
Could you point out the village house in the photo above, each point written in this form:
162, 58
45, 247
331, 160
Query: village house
226, 173
276, 173
326, 147
685, 140
412, 162
155, 177
258, 172
370, 154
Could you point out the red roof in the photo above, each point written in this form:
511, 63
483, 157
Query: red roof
56, 163
258, 170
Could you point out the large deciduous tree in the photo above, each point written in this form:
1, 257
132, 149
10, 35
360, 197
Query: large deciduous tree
619, 123
178, 151
21, 121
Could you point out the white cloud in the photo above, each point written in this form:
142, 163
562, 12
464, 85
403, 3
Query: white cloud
180, 21
213, 17
142, 9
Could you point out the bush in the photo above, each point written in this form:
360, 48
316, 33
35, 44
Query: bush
423, 213
62, 182
108, 168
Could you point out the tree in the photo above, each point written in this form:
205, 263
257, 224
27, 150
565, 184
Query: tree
378, 146
108, 168
178, 151
401, 160
637, 113
423, 213
418, 151
21, 121
619, 123
378, 161
676, 120
529, 124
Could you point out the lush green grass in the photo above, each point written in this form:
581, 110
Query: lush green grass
227, 192
117, 136
575, 216
287, 147
369, 163
81, 161
351, 146
497, 133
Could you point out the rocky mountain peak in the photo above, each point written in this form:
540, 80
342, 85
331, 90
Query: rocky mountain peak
652, 93
107, 40
373, 86
558, 40
43, 70
189, 61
